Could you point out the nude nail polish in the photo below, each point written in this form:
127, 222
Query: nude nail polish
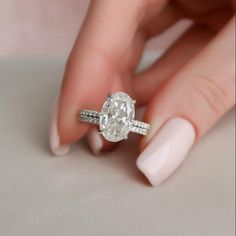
167, 150
95, 141
54, 139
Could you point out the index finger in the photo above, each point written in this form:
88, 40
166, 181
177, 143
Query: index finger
107, 32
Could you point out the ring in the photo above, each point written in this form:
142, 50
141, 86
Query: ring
116, 118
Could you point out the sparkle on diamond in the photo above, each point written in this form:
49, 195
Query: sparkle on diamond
117, 114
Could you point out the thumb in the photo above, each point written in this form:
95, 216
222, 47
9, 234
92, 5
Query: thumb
187, 106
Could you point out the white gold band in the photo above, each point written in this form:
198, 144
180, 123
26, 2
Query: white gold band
93, 117
89, 116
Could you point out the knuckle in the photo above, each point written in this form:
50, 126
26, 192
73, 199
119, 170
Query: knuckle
214, 92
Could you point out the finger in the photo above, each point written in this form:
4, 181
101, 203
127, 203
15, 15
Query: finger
97, 143
147, 83
160, 19
107, 33
187, 106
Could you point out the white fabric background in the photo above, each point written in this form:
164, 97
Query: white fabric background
80, 194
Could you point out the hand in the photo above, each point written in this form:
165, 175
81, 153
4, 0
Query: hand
186, 91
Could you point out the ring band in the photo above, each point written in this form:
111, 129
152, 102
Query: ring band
116, 118
92, 117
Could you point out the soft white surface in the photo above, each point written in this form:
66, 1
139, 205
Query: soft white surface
80, 194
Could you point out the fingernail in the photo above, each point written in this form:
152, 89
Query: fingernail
95, 141
167, 150
54, 139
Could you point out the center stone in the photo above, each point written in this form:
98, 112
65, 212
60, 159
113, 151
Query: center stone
116, 116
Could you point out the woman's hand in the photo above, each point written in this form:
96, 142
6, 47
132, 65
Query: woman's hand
186, 91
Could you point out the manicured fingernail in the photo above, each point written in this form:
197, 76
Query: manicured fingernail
167, 150
54, 139
95, 141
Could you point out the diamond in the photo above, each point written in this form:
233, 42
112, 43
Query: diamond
116, 117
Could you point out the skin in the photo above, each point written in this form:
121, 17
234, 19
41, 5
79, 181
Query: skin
194, 79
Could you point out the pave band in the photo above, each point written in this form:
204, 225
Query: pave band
89, 116
93, 117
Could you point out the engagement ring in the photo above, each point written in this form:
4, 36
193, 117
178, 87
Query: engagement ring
116, 118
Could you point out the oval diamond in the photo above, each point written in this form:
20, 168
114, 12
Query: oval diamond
116, 116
